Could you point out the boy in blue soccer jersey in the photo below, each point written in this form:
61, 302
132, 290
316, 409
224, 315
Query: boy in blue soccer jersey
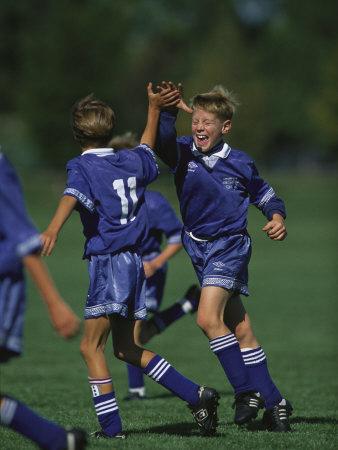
19, 247
215, 185
107, 188
163, 222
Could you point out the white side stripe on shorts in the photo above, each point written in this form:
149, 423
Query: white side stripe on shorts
159, 370
222, 342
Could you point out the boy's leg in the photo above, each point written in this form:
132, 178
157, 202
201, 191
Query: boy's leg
163, 319
202, 401
136, 387
44, 433
96, 331
237, 319
225, 345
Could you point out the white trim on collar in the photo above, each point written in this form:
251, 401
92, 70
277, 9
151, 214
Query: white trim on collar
99, 151
223, 153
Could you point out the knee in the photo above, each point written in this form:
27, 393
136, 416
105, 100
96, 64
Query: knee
89, 349
208, 324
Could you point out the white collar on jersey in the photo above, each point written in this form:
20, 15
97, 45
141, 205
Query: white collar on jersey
99, 151
211, 160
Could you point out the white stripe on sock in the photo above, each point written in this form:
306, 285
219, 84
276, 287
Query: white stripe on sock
7, 411
106, 411
105, 402
256, 361
251, 358
156, 367
221, 338
164, 367
160, 375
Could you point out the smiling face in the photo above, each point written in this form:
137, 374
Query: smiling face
207, 129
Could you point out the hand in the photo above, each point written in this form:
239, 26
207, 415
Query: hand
163, 99
181, 104
275, 228
149, 268
63, 319
48, 239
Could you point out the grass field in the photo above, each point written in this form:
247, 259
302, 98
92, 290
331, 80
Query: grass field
292, 305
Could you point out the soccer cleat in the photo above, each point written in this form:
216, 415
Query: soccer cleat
102, 435
76, 439
193, 296
205, 412
135, 396
277, 418
246, 407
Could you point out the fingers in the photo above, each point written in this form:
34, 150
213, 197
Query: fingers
150, 88
48, 246
275, 230
69, 328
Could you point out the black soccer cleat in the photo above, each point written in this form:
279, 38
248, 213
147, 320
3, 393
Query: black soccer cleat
102, 435
205, 412
76, 439
246, 405
193, 295
135, 396
277, 418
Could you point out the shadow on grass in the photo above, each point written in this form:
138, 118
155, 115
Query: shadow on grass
185, 429
169, 395
258, 425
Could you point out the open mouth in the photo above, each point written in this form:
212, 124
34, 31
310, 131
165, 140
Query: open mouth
201, 139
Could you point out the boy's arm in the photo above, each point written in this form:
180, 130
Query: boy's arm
150, 267
63, 319
63, 211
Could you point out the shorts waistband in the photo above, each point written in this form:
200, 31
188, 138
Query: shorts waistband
214, 238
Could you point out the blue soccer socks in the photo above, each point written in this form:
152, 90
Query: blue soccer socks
163, 373
20, 418
136, 381
255, 361
106, 408
227, 350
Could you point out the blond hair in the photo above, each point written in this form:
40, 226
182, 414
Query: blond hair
93, 122
218, 101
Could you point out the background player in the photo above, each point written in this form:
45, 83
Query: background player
215, 185
163, 222
107, 188
19, 245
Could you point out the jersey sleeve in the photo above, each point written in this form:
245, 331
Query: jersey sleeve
78, 186
166, 143
18, 235
168, 222
263, 196
149, 164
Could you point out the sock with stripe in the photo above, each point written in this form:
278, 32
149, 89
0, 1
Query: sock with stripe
20, 418
163, 373
227, 350
255, 361
135, 380
106, 407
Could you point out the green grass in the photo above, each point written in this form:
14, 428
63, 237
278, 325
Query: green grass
292, 305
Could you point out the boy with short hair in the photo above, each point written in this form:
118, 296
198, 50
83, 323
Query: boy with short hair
19, 247
107, 188
215, 185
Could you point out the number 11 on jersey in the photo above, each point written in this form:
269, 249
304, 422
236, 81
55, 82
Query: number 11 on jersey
118, 185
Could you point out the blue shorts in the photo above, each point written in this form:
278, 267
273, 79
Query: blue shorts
12, 311
222, 262
116, 286
155, 289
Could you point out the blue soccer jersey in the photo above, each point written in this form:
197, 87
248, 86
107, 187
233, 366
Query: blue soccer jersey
162, 222
109, 187
214, 189
18, 236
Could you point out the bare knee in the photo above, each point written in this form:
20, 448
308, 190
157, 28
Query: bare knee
211, 326
89, 349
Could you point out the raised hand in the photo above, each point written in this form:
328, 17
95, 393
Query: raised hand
164, 98
170, 85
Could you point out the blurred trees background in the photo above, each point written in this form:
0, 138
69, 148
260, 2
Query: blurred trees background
280, 57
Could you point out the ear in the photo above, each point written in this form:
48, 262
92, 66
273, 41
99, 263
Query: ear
226, 126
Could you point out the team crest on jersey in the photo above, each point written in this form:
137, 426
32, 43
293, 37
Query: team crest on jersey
230, 183
192, 166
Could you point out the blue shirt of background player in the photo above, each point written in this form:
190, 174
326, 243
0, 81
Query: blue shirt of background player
162, 221
109, 187
18, 236
224, 181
